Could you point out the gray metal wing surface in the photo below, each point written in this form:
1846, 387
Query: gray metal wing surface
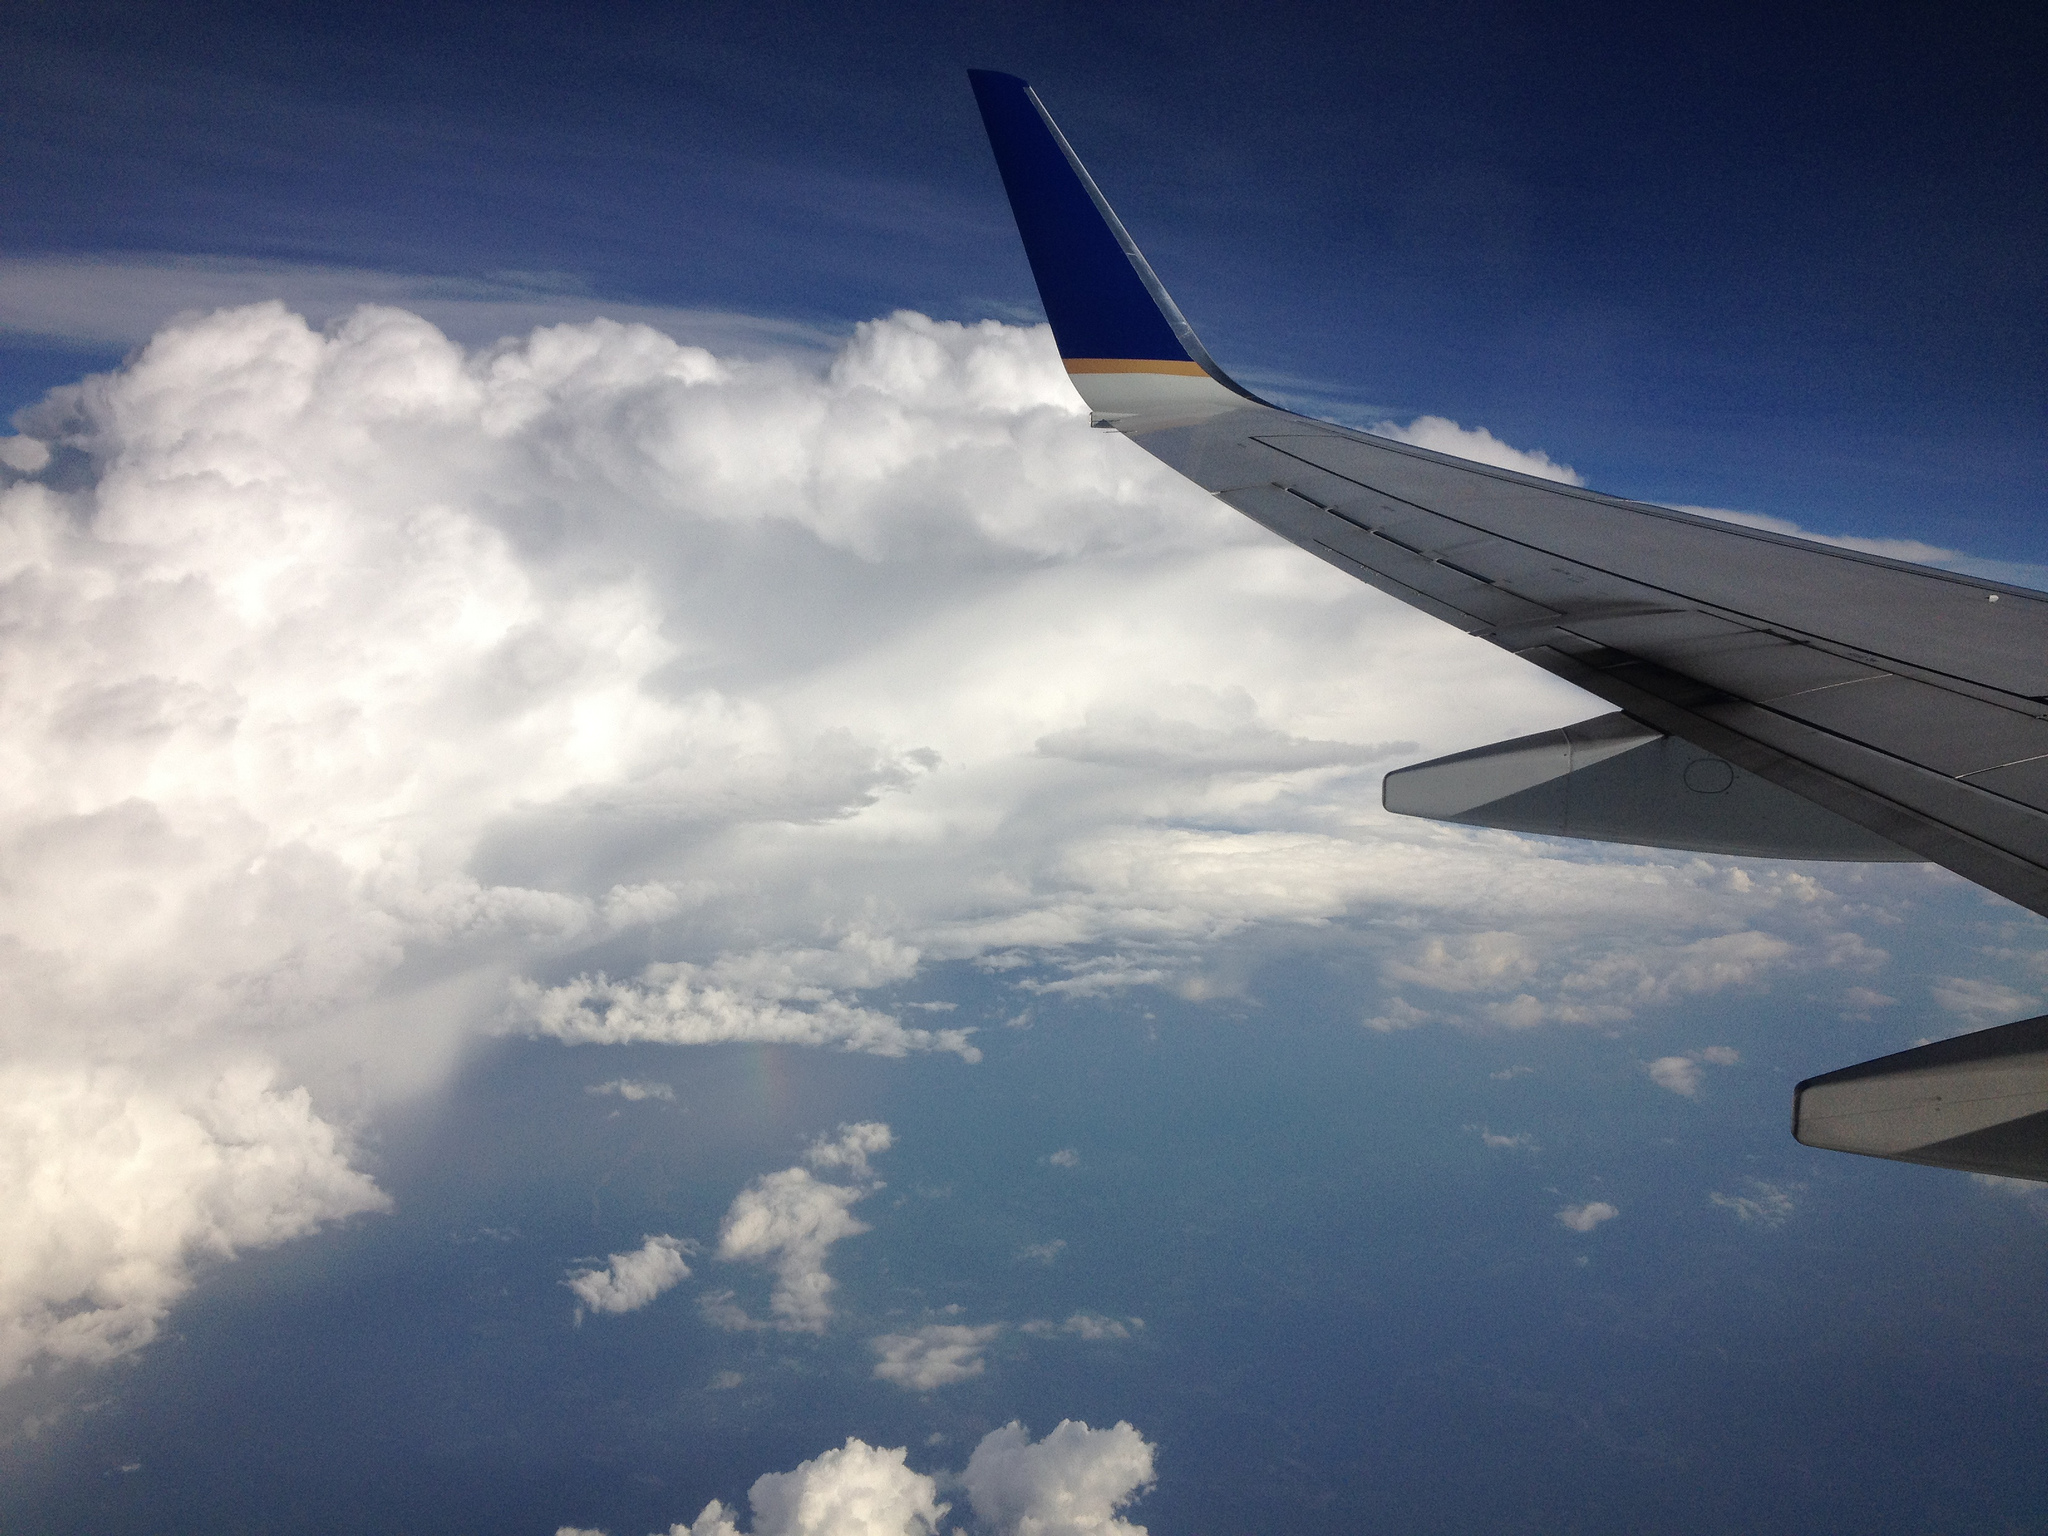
1773, 696
1909, 701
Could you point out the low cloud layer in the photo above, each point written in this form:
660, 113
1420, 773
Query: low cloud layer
367, 695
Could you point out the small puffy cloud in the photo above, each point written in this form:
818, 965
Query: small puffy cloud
1066, 1157
1478, 445
1862, 1002
1680, 1074
1509, 1074
629, 1281
1766, 1205
1071, 1483
851, 1148
1500, 1141
1584, 1218
937, 1355
633, 1092
1091, 1326
1041, 1253
789, 1221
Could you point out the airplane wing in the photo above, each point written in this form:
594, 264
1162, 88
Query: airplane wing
1773, 696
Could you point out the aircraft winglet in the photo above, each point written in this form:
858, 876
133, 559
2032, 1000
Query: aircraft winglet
1127, 347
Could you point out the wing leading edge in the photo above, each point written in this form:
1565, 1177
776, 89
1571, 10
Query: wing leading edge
1863, 707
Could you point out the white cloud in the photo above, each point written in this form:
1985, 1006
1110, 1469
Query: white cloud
1071, 1483
1584, 1218
114, 1190
789, 1221
1066, 1157
1862, 1002
1766, 1205
856, 1490
1479, 445
936, 1355
361, 688
851, 1148
1042, 1253
633, 1091
629, 1281
2031, 1192
1090, 1326
1500, 1141
1979, 1002
1681, 1074
773, 998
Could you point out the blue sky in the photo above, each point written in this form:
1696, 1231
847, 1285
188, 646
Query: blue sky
496, 827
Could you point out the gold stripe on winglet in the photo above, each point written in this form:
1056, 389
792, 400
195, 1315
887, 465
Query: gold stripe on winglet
1132, 365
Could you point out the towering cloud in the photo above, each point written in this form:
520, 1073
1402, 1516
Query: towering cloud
361, 690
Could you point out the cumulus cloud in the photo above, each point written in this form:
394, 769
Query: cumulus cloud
850, 1150
633, 1091
1071, 1483
774, 999
1681, 1074
1584, 1218
629, 1281
114, 1190
1501, 1141
788, 1221
1066, 1157
1091, 1326
367, 693
937, 1355
1766, 1205
856, 1490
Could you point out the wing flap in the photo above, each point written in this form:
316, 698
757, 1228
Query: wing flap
1978, 1103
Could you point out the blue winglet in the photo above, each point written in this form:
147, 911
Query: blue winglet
1109, 313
